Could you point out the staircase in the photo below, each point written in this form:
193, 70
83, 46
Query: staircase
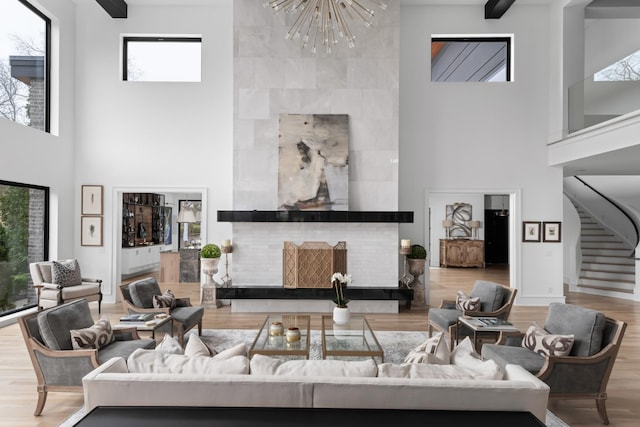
606, 263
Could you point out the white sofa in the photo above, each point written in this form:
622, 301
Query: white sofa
112, 384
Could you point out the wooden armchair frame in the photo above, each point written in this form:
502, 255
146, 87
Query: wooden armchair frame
76, 362
129, 307
503, 313
558, 369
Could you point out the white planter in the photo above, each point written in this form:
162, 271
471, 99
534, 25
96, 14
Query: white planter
341, 316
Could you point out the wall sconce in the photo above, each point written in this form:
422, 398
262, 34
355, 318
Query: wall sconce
226, 248
447, 224
474, 225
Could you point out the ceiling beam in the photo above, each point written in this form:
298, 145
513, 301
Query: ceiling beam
115, 8
494, 9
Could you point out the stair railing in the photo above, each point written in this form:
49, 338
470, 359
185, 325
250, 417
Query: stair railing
620, 209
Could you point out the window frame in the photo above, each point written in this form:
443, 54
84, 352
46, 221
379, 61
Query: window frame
45, 233
47, 62
160, 39
507, 38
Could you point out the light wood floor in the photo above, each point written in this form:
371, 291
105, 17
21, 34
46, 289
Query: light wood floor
18, 385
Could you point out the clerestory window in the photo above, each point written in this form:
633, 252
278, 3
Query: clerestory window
25, 45
161, 59
471, 59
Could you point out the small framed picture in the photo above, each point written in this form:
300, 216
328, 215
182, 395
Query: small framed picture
531, 231
92, 200
91, 231
551, 231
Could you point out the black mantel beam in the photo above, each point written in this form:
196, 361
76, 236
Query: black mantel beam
494, 9
115, 8
316, 216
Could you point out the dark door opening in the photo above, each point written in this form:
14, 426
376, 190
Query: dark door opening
496, 237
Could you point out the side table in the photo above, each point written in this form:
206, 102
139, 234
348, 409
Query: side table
484, 327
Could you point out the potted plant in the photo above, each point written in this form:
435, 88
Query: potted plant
209, 258
416, 259
341, 313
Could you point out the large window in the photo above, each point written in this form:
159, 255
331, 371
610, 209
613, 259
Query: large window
161, 59
24, 64
628, 68
471, 59
24, 238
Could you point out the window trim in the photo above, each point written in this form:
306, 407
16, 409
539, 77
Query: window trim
47, 63
127, 39
507, 38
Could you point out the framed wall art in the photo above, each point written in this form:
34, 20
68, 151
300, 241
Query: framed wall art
551, 231
531, 231
92, 200
91, 231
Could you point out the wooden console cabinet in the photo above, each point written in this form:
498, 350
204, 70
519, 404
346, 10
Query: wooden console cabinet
461, 253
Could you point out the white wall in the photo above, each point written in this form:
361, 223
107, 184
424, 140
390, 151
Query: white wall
487, 136
152, 135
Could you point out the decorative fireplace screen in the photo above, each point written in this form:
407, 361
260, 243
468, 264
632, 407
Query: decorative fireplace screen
311, 264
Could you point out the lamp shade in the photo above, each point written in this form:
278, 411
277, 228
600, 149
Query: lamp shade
189, 214
474, 224
447, 223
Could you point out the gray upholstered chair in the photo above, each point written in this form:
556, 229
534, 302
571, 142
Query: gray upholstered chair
584, 373
57, 365
495, 301
51, 294
137, 297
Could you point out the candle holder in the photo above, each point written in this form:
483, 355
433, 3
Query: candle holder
405, 250
226, 250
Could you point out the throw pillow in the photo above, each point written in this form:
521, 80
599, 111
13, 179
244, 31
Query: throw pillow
538, 340
96, 336
417, 370
195, 347
150, 361
433, 351
166, 300
465, 356
169, 345
237, 350
467, 303
66, 273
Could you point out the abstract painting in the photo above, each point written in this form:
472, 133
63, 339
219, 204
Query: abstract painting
313, 162
460, 214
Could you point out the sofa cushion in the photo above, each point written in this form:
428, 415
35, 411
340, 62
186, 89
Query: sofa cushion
465, 356
149, 361
505, 354
124, 348
490, 294
96, 336
542, 342
265, 365
586, 325
188, 316
444, 317
142, 292
166, 300
66, 273
434, 350
169, 345
237, 350
421, 370
467, 303
56, 322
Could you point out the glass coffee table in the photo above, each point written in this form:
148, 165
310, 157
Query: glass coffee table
356, 339
268, 344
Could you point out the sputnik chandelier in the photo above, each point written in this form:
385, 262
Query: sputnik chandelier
323, 22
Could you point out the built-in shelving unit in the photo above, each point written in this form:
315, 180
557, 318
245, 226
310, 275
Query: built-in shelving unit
142, 219
316, 216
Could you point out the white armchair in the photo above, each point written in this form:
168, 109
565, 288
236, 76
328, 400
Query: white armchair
64, 284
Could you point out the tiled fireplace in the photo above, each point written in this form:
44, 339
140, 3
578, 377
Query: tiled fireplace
273, 76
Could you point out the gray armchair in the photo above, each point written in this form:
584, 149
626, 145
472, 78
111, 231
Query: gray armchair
51, 294
584, 373
137, 297
495, 301
57, 365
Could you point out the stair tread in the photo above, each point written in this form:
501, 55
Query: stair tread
605, 288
